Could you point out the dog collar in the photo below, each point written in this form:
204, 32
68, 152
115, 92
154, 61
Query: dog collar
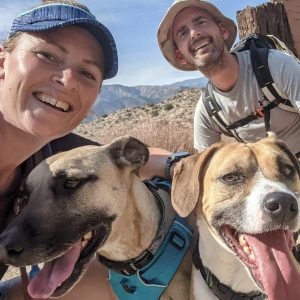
130, 267
147, 276
221, 291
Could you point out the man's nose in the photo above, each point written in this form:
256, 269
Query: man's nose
66, 78
194, 33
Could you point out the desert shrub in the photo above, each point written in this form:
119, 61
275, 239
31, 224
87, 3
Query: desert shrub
154, 113
168, 106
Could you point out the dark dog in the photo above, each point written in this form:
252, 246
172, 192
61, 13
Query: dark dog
85, 201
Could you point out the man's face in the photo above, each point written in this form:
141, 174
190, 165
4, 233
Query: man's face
199, 39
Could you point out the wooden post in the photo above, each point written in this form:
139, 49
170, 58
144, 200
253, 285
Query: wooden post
292, 8
268, 18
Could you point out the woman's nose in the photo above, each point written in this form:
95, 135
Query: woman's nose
67, 79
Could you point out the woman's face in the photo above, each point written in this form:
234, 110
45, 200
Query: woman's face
50, 80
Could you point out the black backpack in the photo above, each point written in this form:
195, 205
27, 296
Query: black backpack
259, 46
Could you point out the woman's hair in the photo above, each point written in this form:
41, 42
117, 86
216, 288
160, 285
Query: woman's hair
11, 41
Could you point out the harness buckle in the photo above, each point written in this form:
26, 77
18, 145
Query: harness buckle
177, 241
129, 289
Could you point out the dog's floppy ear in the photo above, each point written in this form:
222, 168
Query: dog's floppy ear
187, 182
128, 151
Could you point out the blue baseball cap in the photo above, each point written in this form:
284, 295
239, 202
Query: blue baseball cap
56, 15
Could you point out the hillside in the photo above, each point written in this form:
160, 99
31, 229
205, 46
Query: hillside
115, 97
174, 114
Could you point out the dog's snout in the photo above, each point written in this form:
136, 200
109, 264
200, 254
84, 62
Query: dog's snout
10, 243
281, 206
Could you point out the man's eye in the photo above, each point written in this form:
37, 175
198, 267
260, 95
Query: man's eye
181, 35
200, 22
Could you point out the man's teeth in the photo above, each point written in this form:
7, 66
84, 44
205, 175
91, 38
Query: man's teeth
53, 102
246, 248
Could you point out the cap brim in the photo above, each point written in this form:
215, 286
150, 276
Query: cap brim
165, 38
98, 30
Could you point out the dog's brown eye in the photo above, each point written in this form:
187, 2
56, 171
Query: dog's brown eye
233, 178
287, 170
71, 183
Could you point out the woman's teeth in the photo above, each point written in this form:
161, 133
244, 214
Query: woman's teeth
63, 106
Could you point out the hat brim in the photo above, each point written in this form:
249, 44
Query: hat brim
98, 30
165, 38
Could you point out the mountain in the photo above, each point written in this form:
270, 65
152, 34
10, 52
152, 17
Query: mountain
115, 97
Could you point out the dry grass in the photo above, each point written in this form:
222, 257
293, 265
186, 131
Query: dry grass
164, 134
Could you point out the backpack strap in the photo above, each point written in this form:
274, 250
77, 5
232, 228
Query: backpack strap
214, 109
216, 113
259, 61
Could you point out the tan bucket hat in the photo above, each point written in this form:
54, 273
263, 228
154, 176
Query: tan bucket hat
164, 34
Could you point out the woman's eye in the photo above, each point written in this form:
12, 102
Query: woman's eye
88, 75
46, 56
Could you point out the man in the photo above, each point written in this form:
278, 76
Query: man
195, 35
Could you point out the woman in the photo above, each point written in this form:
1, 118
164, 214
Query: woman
51, 70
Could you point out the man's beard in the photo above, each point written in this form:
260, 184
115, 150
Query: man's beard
211, 62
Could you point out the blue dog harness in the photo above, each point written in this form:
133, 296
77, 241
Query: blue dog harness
147, 276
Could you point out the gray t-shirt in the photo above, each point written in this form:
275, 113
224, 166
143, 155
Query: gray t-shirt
244, 98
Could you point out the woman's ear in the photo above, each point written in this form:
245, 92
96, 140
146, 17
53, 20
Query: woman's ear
2, 58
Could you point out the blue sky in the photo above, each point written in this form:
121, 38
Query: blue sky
134, 25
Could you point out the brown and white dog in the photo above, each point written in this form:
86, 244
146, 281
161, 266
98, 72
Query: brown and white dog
246, 201
85, 201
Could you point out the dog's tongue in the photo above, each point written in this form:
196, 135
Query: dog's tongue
53, 274
277, 269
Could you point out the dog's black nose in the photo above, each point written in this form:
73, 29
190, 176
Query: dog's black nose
10, 241
281, 206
